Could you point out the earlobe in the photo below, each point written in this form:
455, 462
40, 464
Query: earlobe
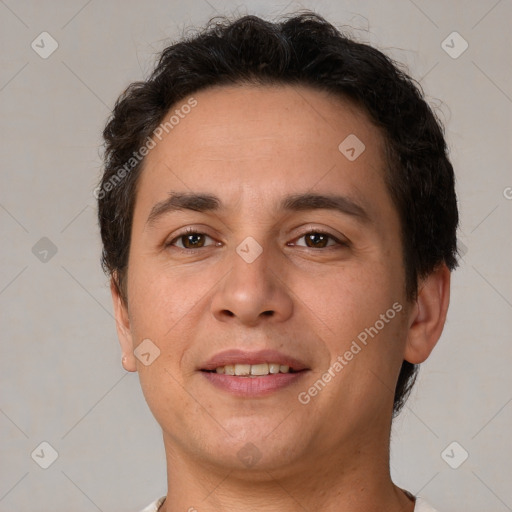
123, 328
428, 315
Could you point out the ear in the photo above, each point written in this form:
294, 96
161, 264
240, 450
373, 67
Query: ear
123, 327
428, 315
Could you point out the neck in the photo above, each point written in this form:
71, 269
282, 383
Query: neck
357, 481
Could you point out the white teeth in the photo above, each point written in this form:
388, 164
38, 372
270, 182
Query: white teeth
259, 369
242, 369
246, 370
273, 368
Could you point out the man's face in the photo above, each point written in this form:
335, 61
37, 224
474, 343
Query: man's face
274, 267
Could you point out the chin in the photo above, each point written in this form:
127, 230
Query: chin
253, 447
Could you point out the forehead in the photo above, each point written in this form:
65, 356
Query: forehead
226, 117
265, 139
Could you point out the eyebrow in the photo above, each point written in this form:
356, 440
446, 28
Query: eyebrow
296, 202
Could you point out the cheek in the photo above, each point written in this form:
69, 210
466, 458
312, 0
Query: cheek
162, 299
365, 314
351, 299
367, 324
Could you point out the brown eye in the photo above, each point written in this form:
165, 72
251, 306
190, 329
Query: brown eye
190, 240
193, 240
318, 240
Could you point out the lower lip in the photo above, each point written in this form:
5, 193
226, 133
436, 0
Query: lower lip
253, 386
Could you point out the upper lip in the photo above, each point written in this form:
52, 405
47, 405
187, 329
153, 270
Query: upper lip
236, 356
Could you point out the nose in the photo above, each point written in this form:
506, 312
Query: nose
253, 292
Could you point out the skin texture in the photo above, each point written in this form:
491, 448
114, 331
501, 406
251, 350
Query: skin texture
251, 146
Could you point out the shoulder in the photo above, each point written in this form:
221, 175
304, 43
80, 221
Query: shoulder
153, 507
420, 505
423, 506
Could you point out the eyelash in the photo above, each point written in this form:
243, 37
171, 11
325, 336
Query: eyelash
192, 231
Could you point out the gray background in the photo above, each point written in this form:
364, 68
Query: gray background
61, 377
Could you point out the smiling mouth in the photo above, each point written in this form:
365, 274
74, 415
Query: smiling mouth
252, 370
253, 380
